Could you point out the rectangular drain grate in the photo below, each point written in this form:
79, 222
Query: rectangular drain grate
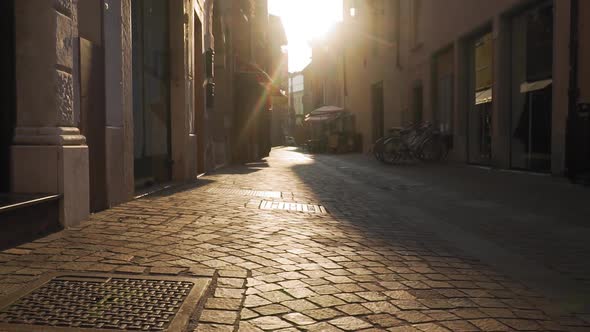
246, 192
295, 207
102, 302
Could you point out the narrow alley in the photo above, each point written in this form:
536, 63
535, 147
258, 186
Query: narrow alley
328, 243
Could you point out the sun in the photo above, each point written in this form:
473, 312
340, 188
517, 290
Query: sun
305, 20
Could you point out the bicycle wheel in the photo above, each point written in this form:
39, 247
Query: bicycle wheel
378, 149
432, 149
391, 150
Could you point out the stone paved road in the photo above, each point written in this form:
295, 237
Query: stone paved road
370, 264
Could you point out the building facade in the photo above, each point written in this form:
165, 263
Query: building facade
114, 96
492, 75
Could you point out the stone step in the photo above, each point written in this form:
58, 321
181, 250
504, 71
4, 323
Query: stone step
25, 217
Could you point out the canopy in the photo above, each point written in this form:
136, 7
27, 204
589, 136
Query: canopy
326, 109
319, 118
534, 86
324, 113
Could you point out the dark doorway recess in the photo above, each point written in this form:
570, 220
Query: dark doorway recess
417, 102
532, 68
199, 117
481, 79
378, 111
151, 92
8, 90
93, 119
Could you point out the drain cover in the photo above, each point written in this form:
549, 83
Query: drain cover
246, 192
296, 207
102, 302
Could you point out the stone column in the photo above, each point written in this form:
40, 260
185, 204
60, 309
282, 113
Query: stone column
49, 155
561, 72
502, 95
118, 101
461, 101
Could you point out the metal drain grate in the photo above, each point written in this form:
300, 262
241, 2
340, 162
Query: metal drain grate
296, 207
246, 192
104, 302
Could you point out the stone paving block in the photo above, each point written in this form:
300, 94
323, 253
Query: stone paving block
299, 319
489, 324
218, 316
247, 327
381, 307
354, 309
460, 326
384, 320
247, 314
288, 271
231, 282
321, 327
431, 327
322, 314
299, 305
223, 303
349, 323
269, 323
326, 300
214, 328
271, 309
229, 293
276, 296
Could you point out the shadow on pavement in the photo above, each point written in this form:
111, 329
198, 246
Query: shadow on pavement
535, 227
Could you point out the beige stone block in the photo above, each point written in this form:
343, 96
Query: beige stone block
63, 40
74, 184
35, 169
116, 172
54, 170
64, 97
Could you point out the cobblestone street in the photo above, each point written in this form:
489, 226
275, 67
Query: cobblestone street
357, 253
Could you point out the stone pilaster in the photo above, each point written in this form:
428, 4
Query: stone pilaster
49, 154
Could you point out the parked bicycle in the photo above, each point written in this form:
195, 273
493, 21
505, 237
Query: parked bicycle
418, 141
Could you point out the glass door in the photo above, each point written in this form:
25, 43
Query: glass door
532, 89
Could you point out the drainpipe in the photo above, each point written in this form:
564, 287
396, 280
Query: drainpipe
573, 92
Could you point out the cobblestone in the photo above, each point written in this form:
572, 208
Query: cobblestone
369, 264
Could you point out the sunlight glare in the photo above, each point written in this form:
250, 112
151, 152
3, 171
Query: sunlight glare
305, 20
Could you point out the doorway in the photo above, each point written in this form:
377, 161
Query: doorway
92, 98
417, 102
8, 91
199, 79
93, 119
151, 92
479, 116
532, 89
444, 90
378, 111
578, 145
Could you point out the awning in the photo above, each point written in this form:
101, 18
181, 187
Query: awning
327, 109
483, 97
320, 118
534, 86
325, 113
